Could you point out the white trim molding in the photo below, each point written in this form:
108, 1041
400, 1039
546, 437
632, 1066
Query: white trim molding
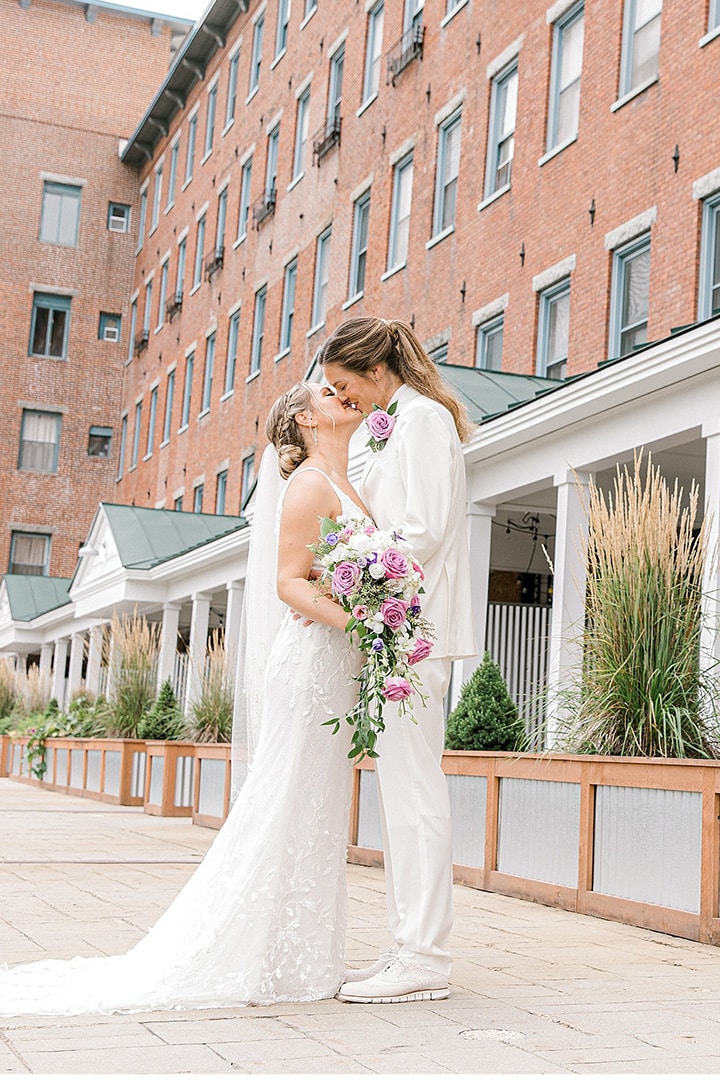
630, 229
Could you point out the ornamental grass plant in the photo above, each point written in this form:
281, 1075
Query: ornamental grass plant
212, 713
133, 667
9, 695
645, 690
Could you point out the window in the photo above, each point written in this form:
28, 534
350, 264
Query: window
258, 330
136, 435
169, 396
148, 309
151, 422
488, 350
451, 5
448, 167
99, 441
709, 301
210, 119
190, 158
641, 44
232, 89
208, 376
282, 26
198, 494
29, 554
337, 67
714, 15
245, 179
199, 246
232, 350
118, 217
358, 253
288, 308
39, 441
109, 329
157, 196
412, 17
50, 325
187, 391
123, 443
163, 293
133, 328
553, 328
272, 160
501, 145
220, 227
310, 6
400, 214
256, 56
301, 132
248, 468
182, 255
60, 214
373, 51
143, 217
178, 504
564, 111
221, 492
172, 177
322, 270
439, 354
630, 297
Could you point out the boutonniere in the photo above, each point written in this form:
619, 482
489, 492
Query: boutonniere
380, 423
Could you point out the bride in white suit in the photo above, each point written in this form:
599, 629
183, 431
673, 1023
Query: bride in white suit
415, 482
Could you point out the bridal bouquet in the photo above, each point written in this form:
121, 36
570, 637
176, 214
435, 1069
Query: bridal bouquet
372, 575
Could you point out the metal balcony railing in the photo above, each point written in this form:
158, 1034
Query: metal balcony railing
264, 207
407, 49
214, 263
174, 305
141, 342
327, 137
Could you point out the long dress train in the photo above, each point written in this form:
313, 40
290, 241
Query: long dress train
262, 919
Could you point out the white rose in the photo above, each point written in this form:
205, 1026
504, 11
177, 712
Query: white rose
376, 571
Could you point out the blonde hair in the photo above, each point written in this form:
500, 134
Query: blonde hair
283, 430
358, 345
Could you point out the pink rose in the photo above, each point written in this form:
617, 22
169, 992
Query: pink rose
396, 565
360, 612
345, 577
369, 530
397, 689
421, 651
380, 424
418, 570
393, 612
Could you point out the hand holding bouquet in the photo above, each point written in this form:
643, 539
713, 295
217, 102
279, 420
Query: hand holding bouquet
374, 578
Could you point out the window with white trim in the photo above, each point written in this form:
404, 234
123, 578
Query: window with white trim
60, 219
151, 422
248, 470
245, 182
199, 247
178, 504
232, 88
714, 16
709, 298
413, 14
208, 374
210, 119
163, 293
288, 307
373, 50
281, 32
501, 144
169, 398
147, 315
136, 435
273, 142
322, 275
29, 554
109, 329
99, 441
641, 44
198, 496
256, 56
180, 278
232, 352
133, 328
190, 157
118, 217
50, 325
553, 330
221, 491
220, 226
400, 213
358, 252
448, 169
123, 444
39, 441
301, 132
258, 333
337, 69
142, 218
187, 390
310, 6
630, 297
564, 111
172, 173
157, 196
489, 343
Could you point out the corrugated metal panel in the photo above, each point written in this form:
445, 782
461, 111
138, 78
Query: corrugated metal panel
468, 800
184, 774
647, 845
369, 829
139, 764
92, 778
539, 830
212, 786
76, 768
112, 772
157, 772
517, 638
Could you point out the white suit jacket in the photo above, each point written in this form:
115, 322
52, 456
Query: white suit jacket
416, 484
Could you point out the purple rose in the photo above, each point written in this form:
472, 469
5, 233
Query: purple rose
421, 650
397, 689
345, 577
378, 645
393, 612
331, 539
380, 424
396, 565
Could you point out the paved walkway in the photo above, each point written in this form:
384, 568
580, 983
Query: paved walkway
535, 990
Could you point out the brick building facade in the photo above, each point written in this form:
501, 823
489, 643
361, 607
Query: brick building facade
76, 79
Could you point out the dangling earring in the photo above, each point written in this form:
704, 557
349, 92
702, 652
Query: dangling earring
314, 434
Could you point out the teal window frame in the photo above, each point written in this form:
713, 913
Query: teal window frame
198, 496
152, 420
631, 80
221, 491
256, 54
199, 246
709, 292
147, 312
210, 120
118, 212
248, 467
399, 236
181, 261
487, 335
232, 352
335, 83
302, 115
322, 277
271, 165
133, 328
18, 534
187, 391
164, 270
54, 327
288, 306
178, 504
281, 31
208, 375
142, 219
548, 306
447, 174
498, 172
157, 198
245, 188
220, 223
412, 15
258, 333
99, 441
60, 217
123, 446
46, 454
714, 16
172, 173
358, 250
190, 156
564, 89
107, 321
619, 329
169, 401
136, 435
373, 51
310, 6
231, 99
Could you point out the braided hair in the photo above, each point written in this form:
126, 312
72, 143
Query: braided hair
283, 430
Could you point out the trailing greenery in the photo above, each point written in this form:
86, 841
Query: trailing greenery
644, 690
165, 719
485, 717
213, 712
135, 649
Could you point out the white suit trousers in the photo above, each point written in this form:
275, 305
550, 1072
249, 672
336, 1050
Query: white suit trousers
417, 829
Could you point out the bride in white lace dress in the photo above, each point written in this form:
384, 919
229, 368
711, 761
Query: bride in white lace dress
262, 919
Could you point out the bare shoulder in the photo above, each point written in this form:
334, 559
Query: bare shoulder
310, 492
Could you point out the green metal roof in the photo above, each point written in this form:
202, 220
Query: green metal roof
489, 393
30, 595
146, 537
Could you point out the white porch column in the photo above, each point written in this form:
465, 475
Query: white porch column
479, 531
46, 655
59, 661
21, 664
168, 642
233, 612
198, 646
77, 649
92, 673
569, 578
710, 641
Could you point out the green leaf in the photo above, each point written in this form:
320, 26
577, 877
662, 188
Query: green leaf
392, 408
327, 525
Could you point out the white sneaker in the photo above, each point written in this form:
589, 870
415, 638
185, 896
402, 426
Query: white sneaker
398, 981
358, 974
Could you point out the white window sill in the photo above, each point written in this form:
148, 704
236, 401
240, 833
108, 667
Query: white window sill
451, 14
252, 93
495, 195
205, 156
240, 240
710, 36
295, 180
277, 59
392, 271
252, 375
307, 18
188, 180
163, 444
147, 456
366, 104
183, 428
227, 395
203, 412
314, 329
195, 288
132, 468
282, 354
633, 93
158, 328
440, 236
169, 207
353, 300
227, 127
557, 150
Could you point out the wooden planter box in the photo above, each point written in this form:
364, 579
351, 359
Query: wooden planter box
631, 839
110, 770
169, 778
211, 789
4, 754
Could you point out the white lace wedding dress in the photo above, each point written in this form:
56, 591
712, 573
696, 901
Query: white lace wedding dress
262, 919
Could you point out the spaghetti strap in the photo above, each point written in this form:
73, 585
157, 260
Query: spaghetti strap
342, 496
